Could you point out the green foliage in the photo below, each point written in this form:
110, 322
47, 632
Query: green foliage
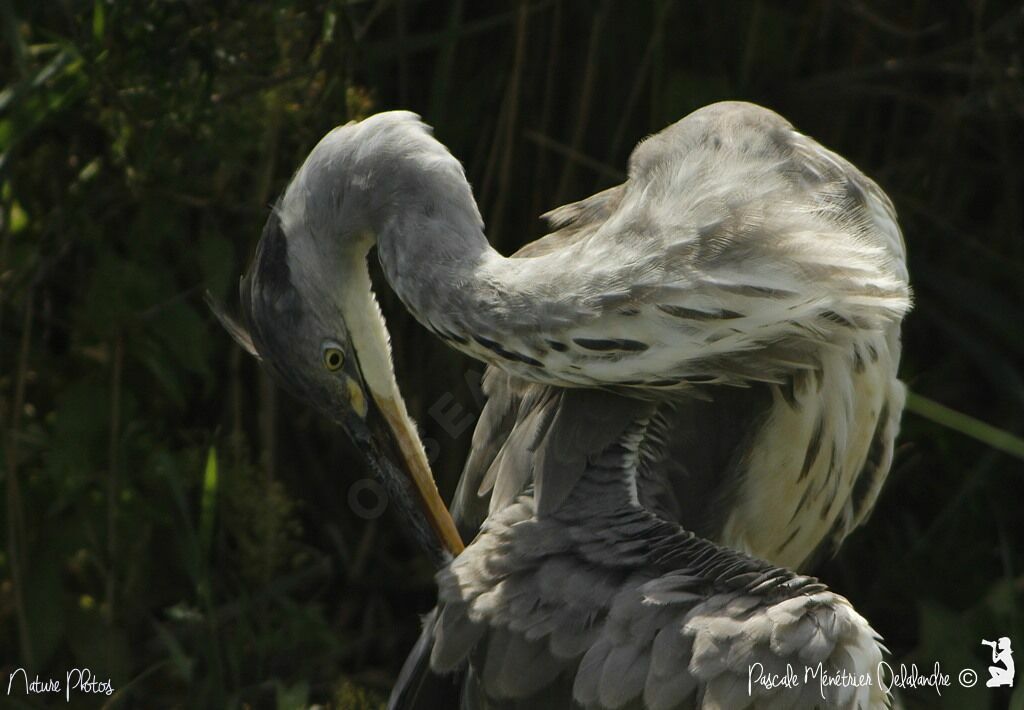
172, 524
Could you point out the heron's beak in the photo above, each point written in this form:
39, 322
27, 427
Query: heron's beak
392, 439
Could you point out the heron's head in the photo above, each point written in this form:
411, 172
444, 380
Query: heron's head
312, 321
300, 334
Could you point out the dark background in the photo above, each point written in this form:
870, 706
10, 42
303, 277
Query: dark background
174, 525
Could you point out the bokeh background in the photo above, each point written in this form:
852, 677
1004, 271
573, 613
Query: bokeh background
175, 525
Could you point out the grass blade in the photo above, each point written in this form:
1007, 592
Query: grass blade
965, 424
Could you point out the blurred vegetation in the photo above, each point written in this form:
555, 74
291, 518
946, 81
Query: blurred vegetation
173, 525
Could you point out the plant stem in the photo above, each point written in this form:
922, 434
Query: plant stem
965, 424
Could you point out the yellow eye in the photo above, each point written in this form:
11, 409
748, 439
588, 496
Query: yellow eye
333, 359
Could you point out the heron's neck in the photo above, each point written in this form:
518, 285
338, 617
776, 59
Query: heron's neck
432, 246
412, 198
435, 256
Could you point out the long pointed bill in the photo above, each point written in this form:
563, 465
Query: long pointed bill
416, 467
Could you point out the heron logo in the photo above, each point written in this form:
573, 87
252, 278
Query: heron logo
1000, 676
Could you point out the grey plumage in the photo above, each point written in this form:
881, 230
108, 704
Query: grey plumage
697, 477
760, 168
709, 348
632, 610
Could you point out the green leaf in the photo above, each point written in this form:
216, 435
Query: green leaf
98, 20
19, 220
208, 503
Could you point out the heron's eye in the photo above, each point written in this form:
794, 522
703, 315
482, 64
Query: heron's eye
334, 358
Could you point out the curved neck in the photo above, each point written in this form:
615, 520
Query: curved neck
433, 234
432, 248
387, 181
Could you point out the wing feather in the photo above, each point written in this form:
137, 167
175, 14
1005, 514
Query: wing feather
737, 250
672, 622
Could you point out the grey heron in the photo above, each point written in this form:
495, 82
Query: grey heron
694, 370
